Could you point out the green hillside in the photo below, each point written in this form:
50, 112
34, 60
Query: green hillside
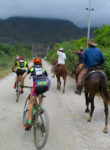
19, 29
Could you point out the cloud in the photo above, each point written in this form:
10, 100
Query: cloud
73, 10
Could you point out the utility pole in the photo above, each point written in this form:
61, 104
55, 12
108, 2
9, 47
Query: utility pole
89, 19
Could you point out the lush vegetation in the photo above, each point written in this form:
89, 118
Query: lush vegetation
8, 55
102, 37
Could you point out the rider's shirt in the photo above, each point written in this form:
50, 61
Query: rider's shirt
61, 57
80, 57
21, 64
93, 56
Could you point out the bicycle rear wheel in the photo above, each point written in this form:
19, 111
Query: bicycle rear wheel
25, 111
18, 92
41, 128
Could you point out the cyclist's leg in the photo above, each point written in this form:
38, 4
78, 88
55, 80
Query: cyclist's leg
40, 101
30, 112
32, 102
21, 73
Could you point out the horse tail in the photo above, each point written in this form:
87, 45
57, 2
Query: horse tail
104, 88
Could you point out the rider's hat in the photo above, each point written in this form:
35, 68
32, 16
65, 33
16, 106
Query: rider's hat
81, 48
92, 42
61, 48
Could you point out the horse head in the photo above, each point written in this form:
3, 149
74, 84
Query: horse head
54, 63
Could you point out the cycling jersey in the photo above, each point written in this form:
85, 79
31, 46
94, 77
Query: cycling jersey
21, 64
40, 79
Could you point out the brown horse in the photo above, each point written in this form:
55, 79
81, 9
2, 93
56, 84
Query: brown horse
60, 71
96, 81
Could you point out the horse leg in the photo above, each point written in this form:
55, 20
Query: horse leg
58, 83
87, 102
91, 98
64, 78
106, 118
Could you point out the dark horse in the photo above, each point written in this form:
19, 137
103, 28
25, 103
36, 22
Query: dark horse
96, 81
60, 71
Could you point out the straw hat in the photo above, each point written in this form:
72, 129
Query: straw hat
92, 42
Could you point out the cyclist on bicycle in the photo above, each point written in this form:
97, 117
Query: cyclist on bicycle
41, 83
21, 68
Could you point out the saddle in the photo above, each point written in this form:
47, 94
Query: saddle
92, 70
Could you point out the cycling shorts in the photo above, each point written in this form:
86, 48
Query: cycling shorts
20, 72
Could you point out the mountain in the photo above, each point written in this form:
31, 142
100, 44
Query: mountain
30, 30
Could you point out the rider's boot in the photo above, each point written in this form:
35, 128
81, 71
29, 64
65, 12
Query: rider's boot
22, 90
78, 90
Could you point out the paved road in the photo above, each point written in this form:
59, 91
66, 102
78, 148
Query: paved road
69, 129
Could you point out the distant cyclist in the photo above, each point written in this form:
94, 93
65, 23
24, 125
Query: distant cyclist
41, 84
21, 68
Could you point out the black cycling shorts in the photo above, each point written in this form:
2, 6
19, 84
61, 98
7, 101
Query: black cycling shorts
20, 72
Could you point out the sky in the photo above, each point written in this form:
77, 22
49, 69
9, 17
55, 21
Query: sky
73, 10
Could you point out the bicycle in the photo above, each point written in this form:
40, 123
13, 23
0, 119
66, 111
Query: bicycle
40, 121
18, 89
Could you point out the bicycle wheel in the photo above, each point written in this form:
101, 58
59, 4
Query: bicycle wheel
25, 111
18, 91
41, 128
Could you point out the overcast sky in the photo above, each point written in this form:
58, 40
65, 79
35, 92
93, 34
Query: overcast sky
73, 10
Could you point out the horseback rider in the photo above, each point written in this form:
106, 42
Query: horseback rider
92, 57
80, 55
61, 57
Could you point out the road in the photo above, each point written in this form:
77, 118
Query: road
69, 129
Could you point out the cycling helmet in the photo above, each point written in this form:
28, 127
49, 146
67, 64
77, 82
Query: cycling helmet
21, 58
36, 60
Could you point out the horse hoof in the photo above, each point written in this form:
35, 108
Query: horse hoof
89, 119
105, 131
87, 110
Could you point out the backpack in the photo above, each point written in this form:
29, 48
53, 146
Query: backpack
40, 80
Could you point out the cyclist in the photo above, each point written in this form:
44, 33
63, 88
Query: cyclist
21, 68
39, 75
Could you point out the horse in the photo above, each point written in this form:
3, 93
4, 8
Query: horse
96, 81
60, 71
